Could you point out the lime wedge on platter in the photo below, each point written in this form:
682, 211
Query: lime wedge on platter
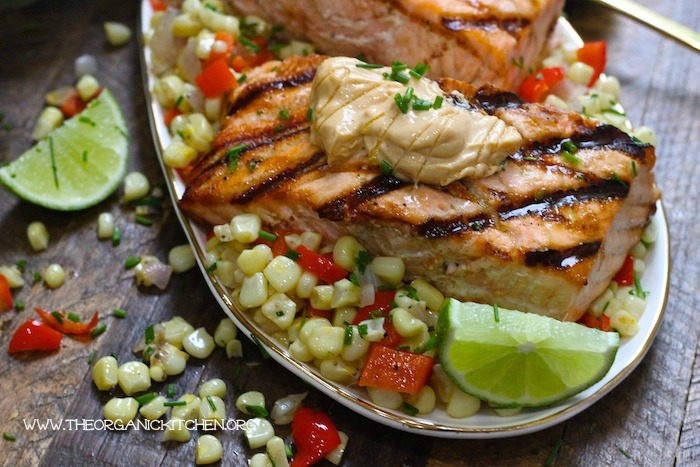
514, 359
78, 164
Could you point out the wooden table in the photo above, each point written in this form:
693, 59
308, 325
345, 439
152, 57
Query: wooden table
652, 418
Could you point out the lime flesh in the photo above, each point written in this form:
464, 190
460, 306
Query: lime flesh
78, 164
514, 359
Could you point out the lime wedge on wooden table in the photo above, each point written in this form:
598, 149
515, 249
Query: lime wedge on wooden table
78, 164
515, 359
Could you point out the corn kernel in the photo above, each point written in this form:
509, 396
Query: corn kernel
167, 90
105, 226
209, 450
385, 398
190, 410
462, 405
104, 373
261, 459
170, 359
306, 284
343, 316
13, 276
406, 325
424, 400
335, 369
321, 297
133, 377
325, 341
357, 348
176, 430
225, 332
277, 452
213, 387
49, 119
121, 410
199, 344
253, 291
300, 351
258, 431
282, 273
433, 297
580, 73
246, 227
345, 251
441, 383
212, 408
181, 258
117, 33
234, 348
389, 268
186, 25
135, 186
38, 236
280, 309
250, 399
178, 154
296, 48
175, 330
255, 259
87, 87
54, 276
154, 409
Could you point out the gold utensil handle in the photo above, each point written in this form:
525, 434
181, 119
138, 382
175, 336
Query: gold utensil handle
672, 29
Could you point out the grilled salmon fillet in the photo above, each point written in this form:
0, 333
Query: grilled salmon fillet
479, 41
543, 235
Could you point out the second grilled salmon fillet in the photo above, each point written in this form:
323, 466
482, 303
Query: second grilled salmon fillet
477, 41
542, 235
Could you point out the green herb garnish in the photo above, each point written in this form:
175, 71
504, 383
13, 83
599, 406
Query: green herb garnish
73, 317
212, 267
409, 409
262, 349
496, 314
143, 220
146, 398
150, 334
174, 403
284, 114
57, 316
347, 340
270, 237
419, 70
385, 168
617, 178
256, 410
212, 404
368, 65
248, 44
8, 436
131, 261
569, 157
116, 236
19, 305
98, 330
309, 114
119, 313
170, 391
362, 330
362, 260
293, 255
233, 154
87, 120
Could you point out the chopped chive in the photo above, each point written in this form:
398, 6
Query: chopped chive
309, 114
37, 276
8, 436
174, 403
279, 313
438, 102
617, 178
634, 168
284, 114
86, 120
288, 450
21, 264
376, 314
263, 350
529, 158
233, 154
403, 347
430, 344
119, 313
270, 237
496, 314
256, 410
553, 454
409, 409
241, 79
347, 340
369, 65
211, 403
143, 220
57, 316
362, 330
411, 292
212, 267
408, 95
400, 103
569, 146
248, 44
293, 255
278, 128
566, 155
419, 70
147, 353
352, 277
150, 334
179, 100
421, 104
131, 261
73, 317
640, 292
362, 260
616, 112
146, 398
19, 305
98, 330
625, 453
386, 287
91, 358
116, 236
53, 162
170, 391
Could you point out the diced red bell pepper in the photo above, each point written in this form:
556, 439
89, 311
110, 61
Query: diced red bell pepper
314, 436
158, 5
216, 79
244, 58
65, 325
225, 54
538, 84
395, 370
602, 323
319, 266
383, 300
392, 337
35, 335
625, 276
593, 54
170, 115
73, 105
6, 302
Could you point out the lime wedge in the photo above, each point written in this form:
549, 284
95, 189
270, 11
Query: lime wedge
78, 164
514, 359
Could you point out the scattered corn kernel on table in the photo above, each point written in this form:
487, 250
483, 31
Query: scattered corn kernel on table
652, 418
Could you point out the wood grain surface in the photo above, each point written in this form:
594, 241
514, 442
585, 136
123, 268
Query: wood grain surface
652, 418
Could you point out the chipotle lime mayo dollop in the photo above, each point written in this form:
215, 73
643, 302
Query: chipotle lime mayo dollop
357, 112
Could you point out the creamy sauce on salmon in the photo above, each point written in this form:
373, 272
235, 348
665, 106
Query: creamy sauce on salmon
362, 112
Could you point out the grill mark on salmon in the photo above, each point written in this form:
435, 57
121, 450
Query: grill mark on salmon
543, 235
279, 179
341, 207
513, 26
543, 207
252, 92
562, 259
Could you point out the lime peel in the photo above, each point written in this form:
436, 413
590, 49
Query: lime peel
523, 359
78, 164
